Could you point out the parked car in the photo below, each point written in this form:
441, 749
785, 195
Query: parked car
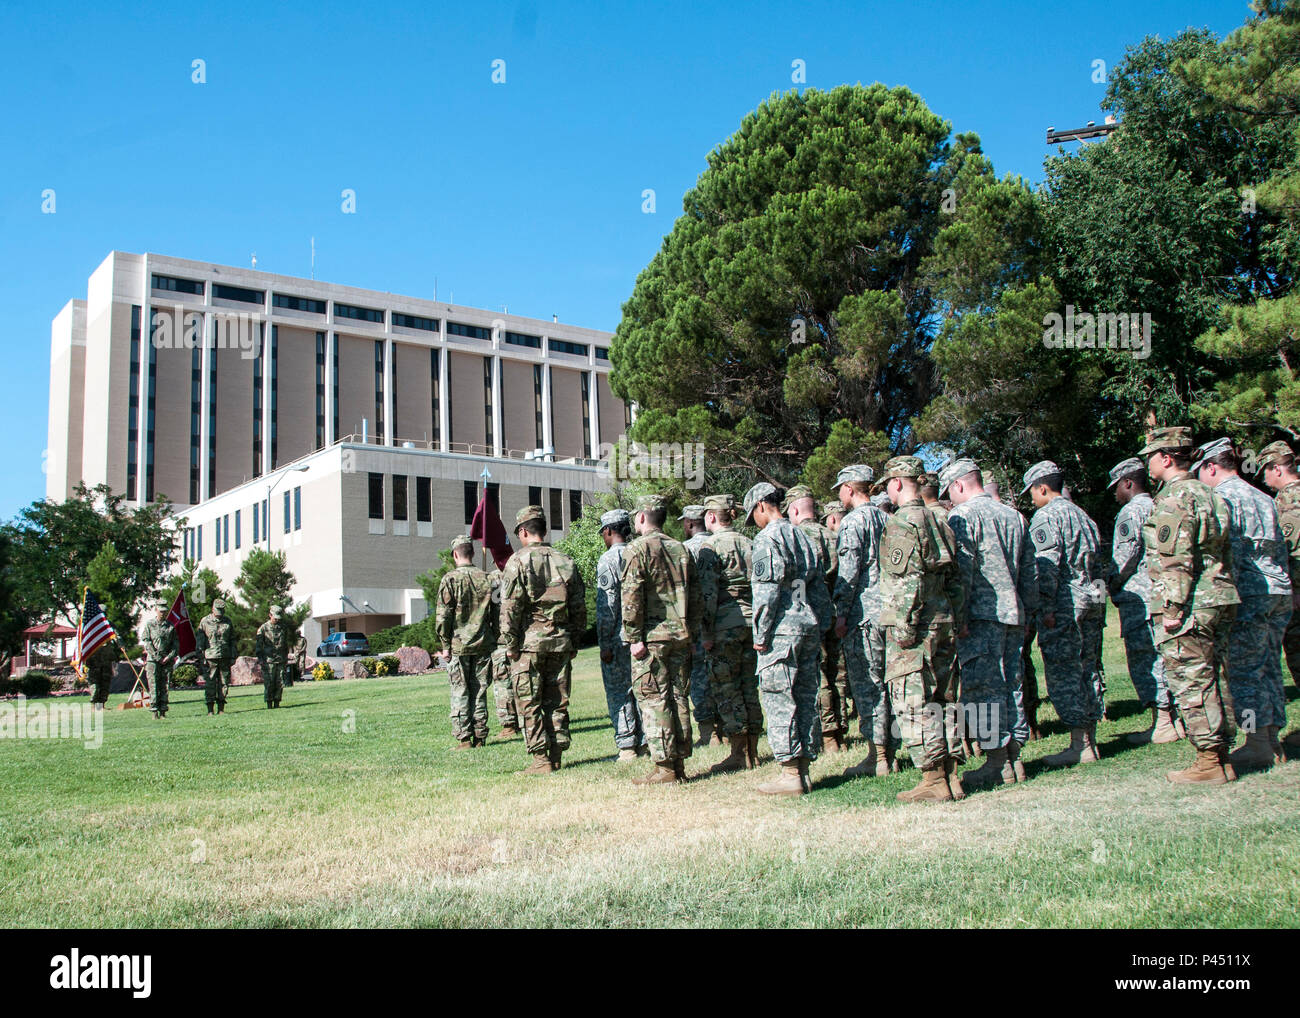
341, 644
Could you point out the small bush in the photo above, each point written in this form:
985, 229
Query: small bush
322, 672
391, 664
417, 634
185, 677
34, 684
370, 664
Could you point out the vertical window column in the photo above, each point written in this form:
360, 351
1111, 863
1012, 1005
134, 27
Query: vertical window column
273, 403
320, 390
390, 391
435, 388
150, 409
334, 386
259, 358
207, 407
585, 381
379, 392
489, 406
133, 411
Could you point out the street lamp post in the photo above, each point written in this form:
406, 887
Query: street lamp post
270, 488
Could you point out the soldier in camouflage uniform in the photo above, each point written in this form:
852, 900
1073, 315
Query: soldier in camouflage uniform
1193, 598
792, 609
216, 640
297, 660
503, 692
831, 514
856, 601
662, 610
921, 603
1277, 464
99, 672
543, 614
615, 658
158, 640
467, 636
1071, 610
697, 537
998, 574
272, 650
1261, 575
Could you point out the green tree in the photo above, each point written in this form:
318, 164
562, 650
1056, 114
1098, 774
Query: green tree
201, 585
264, 580
107, 577
847, 443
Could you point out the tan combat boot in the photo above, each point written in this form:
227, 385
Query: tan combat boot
1143, 737
870, 765
1013, 761
1075, 752
803, 774
508, 732
788, 782
624, 755
737, 761
463, 744
1169, 728
991, 772
1090, 754
891, 764
717, 739
1255, 753
933, 787
541, 764
706, 734
663, 774
831, 742
953, 776
751, 749
1206, 769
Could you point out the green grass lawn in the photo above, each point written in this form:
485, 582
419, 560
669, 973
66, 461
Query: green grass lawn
347, 807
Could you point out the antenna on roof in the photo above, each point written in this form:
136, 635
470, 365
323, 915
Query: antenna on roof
254, 259
313, 258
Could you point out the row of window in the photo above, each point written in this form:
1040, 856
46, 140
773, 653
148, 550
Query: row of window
399, 506
223, 530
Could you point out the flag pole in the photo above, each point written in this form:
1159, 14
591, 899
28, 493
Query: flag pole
81, 618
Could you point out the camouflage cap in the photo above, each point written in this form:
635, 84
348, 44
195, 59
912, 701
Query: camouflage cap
720, 503
758, 493
829, 509
1274, 452
1171, 439
928, 480
651, 502
1119, 471
691, 512
1041, 469
463, 543
276, 611
613, 518
218, 603
903, 466
792, 495
529, 512
859, 472
1204, 452
880, 499
953, 469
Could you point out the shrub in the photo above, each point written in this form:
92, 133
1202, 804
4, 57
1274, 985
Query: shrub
185, 677
322, 672
390, 664
34, 684
417, 634
370, 664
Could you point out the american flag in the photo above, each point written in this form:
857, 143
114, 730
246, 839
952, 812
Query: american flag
93, 631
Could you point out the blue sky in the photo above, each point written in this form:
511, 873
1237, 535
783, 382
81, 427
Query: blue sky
526, 194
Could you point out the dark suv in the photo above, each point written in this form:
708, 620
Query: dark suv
340, 644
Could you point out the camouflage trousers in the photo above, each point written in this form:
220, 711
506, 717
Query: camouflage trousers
992, 693
1070, 676
157, 675
1145, 668
273, 670
788, 677
733, 677
1092, 627
1255, 661
469, 675
541, 682
833, 698
100, 676
662, 683
1291, 645
922, 686
864, 663
503, 692
701, 691
623, 713
1195, 669
217, 680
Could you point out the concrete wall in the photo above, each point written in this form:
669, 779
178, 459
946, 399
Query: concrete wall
356, 385
67, 400
296, 396
518, 412
566, 411
468, 417
172, 411
413, 393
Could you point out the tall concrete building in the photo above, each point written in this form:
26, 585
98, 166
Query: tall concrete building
349, 428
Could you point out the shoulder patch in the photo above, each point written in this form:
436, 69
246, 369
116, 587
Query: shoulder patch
1125, 530
1165, 524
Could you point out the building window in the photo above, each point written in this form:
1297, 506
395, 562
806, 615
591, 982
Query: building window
534, 495
415, 322
358, 314
285, 300
523, 339
257, 536
150, 408
238, 293
133, 407
575, 506
487, 399
564, 346
288, 518
258, 361
602, 353
469, 331
399, 497
212, 416
586, 414
334, 340
216, 541
196, 416
392, 385
178, 285
237, 530
557, 509
435, 377
198, 543
225, 533
275, 389
471, 500
320, 390
379, 391
423, 500
376, 496
297, 508
266, 519
539, 432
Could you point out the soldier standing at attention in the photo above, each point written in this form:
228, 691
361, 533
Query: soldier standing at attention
662, 608
99, 673
1130, 589
272, 651
216, 638
543, 614
706, 711
728, 638
502, 690
856, 601
159, 643
997, 570
1071, 610
831, 514
1277, 463
921, 601
791, 612
1261, 575
467, 636
297, 660
615, 658
1193, 598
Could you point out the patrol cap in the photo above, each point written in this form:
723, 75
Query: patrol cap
219, 603
276, 611
880, 499
792, 495
691, 512
758, 493
529, 512
1119, 471
1274, 452
613, 518
1167, 440
1041, 469
928, 480
462, 542
954, 469
1209, 449
651, 502
859, 472
828, 509
720, 503
903, 466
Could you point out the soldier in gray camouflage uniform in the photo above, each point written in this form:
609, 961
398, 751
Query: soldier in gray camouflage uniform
831, 513
615, 659
696, 542
791, 612
999, 576
467, 635
1278, 468
1260, 572
1130, 588
1071, 609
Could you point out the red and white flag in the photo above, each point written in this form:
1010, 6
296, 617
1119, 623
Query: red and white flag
93, 631
179, 619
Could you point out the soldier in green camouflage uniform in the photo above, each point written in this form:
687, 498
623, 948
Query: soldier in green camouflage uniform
216, 640
158, 640
274, 637
834, 670
921, 602
1193, 598
297, 660
467, 636
662, 611
503, 691
543, 614
727, 636
99, 672
706, 569
1277, 464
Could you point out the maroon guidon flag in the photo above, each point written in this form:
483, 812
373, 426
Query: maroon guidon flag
487, 528
179, 619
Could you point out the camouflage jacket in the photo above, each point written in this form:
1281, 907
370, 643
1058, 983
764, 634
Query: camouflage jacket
824, 541
788, 583
273, 640
158, 640
661, 593
1287, 502
465, 621
734, 597
1259, 551
1188, 553
299, 651
216, 638
1128, 580
706, 572
857, 549
1071, 569
996, 565
543, 601
920, 585
609, 597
